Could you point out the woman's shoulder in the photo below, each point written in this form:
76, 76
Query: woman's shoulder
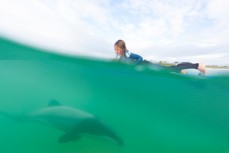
127, 53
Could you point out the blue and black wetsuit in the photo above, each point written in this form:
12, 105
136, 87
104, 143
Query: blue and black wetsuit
176, 68
131, 57
184, 65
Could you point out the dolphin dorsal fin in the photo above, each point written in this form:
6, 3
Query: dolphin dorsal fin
53, 103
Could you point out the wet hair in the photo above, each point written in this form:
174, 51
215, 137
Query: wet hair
121, 44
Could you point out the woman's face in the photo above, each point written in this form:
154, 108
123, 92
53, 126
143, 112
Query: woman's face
118, 50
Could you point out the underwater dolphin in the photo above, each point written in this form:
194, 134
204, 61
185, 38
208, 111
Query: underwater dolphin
73, 121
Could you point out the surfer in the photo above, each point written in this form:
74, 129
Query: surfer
123, 54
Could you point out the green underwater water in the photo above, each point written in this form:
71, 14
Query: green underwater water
153, 111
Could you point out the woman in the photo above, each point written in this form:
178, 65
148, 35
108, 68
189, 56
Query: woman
125, 55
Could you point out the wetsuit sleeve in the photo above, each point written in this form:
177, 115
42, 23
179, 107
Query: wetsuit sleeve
136, 57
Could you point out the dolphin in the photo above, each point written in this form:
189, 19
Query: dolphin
72, 121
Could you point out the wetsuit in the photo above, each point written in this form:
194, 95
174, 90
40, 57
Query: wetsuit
131, 57
177, 68
184, 65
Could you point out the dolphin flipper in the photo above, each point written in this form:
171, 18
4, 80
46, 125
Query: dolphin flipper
69, 136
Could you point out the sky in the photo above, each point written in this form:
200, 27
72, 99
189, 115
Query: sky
158, 30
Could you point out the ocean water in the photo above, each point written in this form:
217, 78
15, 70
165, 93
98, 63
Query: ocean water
153, 111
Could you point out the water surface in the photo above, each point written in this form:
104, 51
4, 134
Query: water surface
153, 111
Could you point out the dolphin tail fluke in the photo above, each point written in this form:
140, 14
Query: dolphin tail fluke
14, 117
7, 115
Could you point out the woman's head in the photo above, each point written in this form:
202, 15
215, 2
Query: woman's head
120, 47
